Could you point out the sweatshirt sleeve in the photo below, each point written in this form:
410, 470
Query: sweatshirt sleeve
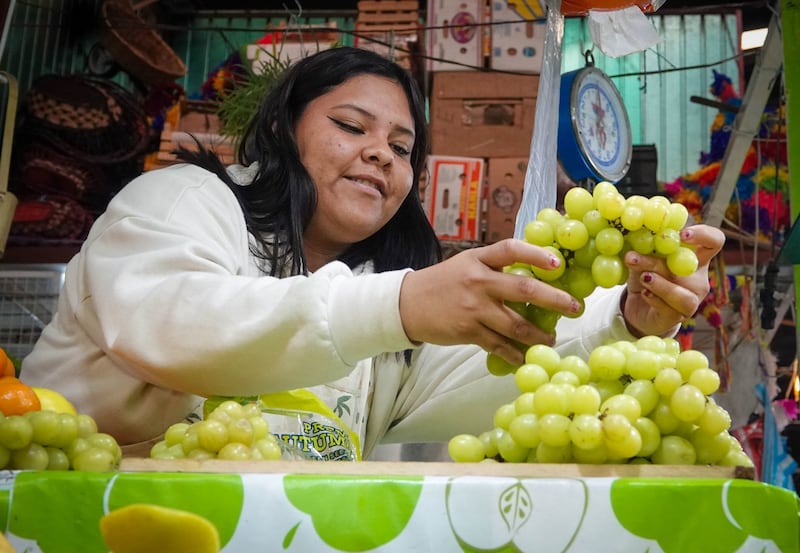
168, 290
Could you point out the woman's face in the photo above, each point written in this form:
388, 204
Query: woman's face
355, 141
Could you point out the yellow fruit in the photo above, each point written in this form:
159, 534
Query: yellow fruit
53, 401
145, 528
5, 546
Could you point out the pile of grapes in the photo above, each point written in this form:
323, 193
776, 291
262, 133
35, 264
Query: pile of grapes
629, 402
48, 440
231, 431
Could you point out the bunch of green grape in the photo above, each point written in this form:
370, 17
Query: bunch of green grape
48, 440
629, 402
591, 238
231, 431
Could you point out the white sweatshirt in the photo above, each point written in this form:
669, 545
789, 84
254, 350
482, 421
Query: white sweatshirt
164, 304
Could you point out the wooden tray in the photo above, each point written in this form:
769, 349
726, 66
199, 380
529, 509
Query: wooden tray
405, 468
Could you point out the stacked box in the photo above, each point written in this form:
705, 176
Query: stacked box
517, 40
452, 196
505, 180
458, 35
390, 28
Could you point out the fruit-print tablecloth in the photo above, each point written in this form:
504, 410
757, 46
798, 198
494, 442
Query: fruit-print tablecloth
58, 512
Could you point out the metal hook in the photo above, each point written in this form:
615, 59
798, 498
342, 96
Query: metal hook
589, 57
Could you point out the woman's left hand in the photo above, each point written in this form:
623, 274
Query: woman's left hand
657, 300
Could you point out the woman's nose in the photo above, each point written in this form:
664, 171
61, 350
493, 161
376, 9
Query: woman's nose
382, 155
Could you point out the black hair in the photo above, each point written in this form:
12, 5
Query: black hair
280, 200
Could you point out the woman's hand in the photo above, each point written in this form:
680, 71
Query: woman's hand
656, 299
461, 300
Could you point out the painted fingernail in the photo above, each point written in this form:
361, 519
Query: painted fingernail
633, 260
647, 277
575, 306
554, 261
686, 234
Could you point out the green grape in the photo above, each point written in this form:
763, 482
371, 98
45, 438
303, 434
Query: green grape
609, 241
651, 343
510, 450
667, 381
524, 430
642, 241
585, 256
86, 425
705, 379
554, 273
690, 360
572, 235
544, 356
78, 446
516, 269
606, 363
31, 457
626, 447
197, 454
488, 443
576, 365
566, 377
101, 440
498, 366
650, 434
251, 409
240, 431
577, 202
687, 403
540, 233
212, 435
622, 404
736, 459
234, 451
714, 419
160, 450
5, 456
525, 403
465, 448
672, 346
594, 456
607, 388
530, 376
260, 426
611, 205
616, 427
553, 454
666, 241
554, 429
586, 431
56, 459
579, 282
503, 415
269, 448
607, 270
94, 459
545, 319
174, 434
632, 217
595, 222
674, 450
624, 346
683, 262
585, 400
645, 393
551, 398
710, 448
603, 187
45, 426
191, 440
642, 364
16, 432
550, 216
233, 408
664, 418
677, 215
69, 431
655, 215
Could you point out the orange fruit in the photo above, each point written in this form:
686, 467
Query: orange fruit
7, 367
16, 397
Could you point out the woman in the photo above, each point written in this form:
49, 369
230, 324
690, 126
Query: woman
311, 265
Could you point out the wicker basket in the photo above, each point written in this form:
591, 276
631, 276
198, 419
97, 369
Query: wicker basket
137, 47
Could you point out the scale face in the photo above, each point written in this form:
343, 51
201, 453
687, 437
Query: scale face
594, 129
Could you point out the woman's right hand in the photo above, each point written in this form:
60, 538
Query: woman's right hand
462, 300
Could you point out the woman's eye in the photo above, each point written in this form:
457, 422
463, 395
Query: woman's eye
401, 150
347, 126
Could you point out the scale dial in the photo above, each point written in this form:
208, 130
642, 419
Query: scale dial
600, 129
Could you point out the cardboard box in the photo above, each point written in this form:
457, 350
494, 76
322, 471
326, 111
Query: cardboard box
517, 41
453, 195
457, 33
505, 181
482, 114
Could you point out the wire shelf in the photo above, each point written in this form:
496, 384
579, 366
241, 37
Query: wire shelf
28, 300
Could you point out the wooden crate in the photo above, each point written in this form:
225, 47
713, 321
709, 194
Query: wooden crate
390, 28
